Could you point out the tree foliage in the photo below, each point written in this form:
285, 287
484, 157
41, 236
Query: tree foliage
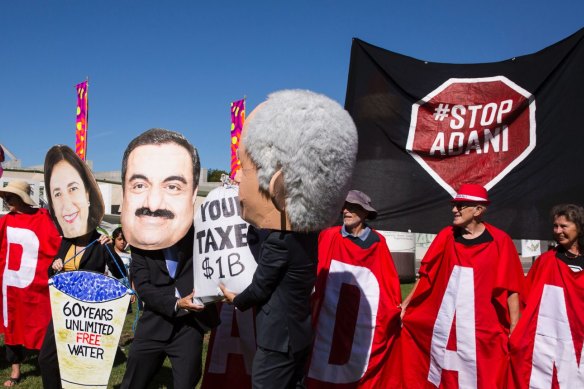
214, 175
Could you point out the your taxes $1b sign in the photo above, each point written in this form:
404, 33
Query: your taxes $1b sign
472, 130
221, 252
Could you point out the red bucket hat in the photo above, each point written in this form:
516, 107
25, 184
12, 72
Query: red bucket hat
471, 193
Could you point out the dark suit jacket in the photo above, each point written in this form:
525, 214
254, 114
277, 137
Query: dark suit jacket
281, 289
93, 258
157, 289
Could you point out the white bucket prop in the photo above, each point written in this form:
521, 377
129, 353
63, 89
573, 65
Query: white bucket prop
89, 310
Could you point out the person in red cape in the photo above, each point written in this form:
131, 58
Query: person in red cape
28, 243
546, 346
356, 302
458, 317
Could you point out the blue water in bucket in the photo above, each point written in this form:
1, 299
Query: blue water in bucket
89, 286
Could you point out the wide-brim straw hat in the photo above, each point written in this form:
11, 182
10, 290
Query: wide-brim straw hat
19, 188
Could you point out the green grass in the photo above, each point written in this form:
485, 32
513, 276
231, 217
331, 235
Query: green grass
31, 375
405, 289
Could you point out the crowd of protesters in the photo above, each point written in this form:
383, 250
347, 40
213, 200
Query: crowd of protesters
469, 240
68, 241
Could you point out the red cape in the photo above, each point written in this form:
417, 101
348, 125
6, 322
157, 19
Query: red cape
232, 346
355, 312
549, 271
496, 272
34, 244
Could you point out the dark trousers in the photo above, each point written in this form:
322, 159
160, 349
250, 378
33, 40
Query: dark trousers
49, 362
274, 369
146, 357
15, 354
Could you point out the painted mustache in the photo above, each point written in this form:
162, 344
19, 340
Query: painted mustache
165, 213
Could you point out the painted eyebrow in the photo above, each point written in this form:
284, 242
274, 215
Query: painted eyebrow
167, 179
176, 178
68, 186
138, 177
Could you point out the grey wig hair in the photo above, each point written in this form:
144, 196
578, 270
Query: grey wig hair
314, 141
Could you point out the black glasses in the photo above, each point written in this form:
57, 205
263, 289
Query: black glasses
460, 206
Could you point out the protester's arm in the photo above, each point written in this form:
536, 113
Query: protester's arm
407, 300
56, 266
58, 263
514, 313
272, 264
229, 295
186, 304
104, 239
134, 296
510, 278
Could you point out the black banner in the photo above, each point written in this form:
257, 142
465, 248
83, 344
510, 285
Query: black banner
514, 127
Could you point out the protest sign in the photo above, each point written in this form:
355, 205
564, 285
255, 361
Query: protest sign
89, 310
221, 252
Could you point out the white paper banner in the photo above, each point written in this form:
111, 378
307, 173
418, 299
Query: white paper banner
221, 251
399, 242
530, 248
89, 310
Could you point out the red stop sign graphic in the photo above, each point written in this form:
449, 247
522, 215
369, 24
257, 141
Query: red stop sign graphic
473, 130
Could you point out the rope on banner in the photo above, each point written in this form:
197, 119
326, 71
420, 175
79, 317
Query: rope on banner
76, 254
126, 282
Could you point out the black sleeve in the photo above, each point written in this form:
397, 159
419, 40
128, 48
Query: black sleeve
157, 295
272, 266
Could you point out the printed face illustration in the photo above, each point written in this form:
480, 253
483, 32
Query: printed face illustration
252, 202
70, 200
257, 208
159, 196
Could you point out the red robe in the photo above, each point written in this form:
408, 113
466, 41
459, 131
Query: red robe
355, 313
554, 319
459, 314
24, 264
232, 346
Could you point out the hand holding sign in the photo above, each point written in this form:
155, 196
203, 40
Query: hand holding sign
229, 296
186, 303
